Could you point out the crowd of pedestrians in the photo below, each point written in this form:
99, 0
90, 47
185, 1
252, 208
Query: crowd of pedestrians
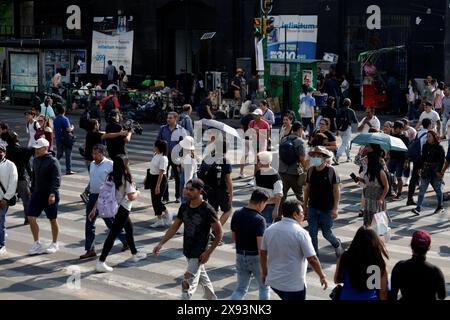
271, 243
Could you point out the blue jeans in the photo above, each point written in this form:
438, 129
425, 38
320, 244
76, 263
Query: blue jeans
412, 112
288, 295
436, 183
63, 149
3, 225
444, 125
267, 213
321, 219
90, 225
247, 266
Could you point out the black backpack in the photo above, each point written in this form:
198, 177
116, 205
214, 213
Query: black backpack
208, 174
287, 151
415, 149
392, 181
342, 122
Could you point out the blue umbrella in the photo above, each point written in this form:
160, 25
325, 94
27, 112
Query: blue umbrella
385, 141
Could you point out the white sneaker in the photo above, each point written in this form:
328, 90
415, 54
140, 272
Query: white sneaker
52, 248
252, 182
139, 256
158, 224
102, 267
36, 248
242, 176
168, 218
2, 251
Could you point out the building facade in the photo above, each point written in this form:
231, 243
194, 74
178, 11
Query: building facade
167, 33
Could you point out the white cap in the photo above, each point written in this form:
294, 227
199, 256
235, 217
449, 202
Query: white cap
40, 143
265, 157
258, 112
188, 143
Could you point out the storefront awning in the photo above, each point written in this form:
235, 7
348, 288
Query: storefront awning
43, 43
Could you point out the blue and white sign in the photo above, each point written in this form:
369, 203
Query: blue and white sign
300, 44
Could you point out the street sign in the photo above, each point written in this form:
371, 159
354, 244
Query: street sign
208, 36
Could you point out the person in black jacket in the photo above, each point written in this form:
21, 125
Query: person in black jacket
46, 181
20, 156
432, 161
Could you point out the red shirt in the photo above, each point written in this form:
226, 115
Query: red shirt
262, 133
114, 100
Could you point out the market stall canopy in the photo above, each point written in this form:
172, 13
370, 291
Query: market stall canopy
373, 55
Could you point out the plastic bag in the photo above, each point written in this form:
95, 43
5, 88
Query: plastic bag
380, 224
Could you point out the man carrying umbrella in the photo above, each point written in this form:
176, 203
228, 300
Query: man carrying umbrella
397, 159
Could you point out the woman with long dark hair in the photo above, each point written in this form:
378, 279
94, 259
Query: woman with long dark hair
376, 184
126, 193
432, 161
365, 256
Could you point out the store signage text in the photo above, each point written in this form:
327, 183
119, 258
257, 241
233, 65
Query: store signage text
74, 20
374, 20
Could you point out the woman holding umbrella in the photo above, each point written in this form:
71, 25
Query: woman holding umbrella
376, 184
432, 160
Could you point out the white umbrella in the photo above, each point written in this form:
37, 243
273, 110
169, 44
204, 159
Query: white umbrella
220, 126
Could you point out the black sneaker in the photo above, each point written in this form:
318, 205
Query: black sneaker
177, 200
84, 197
411, 202
361, 213
416, 211
439, 210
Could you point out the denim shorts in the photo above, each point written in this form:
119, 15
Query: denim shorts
396, 167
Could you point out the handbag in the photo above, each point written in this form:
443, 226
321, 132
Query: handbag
11, 202
336, 292
147, 180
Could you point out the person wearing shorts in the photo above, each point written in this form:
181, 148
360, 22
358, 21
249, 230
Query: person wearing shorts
46, 182
397, 159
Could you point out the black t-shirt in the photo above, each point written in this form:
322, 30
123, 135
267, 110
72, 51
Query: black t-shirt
247, 224
245, 121
399, 155
210, 175
321, 188
236, 81
204, 109
267, 180
92, 139
417, 280
117, 145
197, 225
330, 113
330, 136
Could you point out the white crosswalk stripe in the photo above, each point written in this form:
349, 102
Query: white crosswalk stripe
46, 276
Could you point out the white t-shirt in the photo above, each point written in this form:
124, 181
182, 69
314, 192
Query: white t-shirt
345, 85
122, 195
432, 115
411, 94
31, 132
159, 162
374, 122
288, 246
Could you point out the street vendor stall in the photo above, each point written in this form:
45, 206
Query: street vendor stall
383, 73
298, 73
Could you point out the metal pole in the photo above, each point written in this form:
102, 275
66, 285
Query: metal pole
285, 53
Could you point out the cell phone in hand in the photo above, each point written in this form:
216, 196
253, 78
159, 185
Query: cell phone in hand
354, 177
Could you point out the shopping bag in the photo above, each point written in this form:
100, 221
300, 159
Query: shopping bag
303, 110
380, 224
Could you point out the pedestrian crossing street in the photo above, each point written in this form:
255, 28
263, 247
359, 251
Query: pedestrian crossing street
63, 276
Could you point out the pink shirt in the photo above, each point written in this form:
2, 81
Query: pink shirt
262, 133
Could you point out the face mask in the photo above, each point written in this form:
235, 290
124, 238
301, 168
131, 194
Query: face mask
316, 161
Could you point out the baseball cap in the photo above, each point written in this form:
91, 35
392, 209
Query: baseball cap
197, 184
421, 239
188, 143
258, 112
2, 147
40, 143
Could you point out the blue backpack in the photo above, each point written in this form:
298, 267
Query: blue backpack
415, 149
287, 151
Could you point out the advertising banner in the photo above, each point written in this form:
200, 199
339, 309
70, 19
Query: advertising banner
24, 71
112, 39
294, 36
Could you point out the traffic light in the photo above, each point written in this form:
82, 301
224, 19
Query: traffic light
257, 27
269, 25
267, 5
